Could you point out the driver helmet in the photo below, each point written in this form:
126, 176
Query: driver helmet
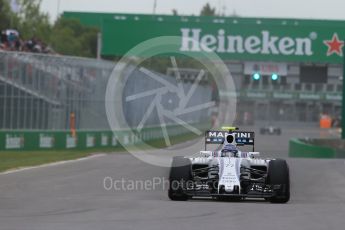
229, 150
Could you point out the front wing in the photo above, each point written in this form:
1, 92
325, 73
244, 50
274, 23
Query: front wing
254, 191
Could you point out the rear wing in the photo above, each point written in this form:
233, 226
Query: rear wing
242, 138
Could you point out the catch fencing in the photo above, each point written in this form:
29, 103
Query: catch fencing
39, 93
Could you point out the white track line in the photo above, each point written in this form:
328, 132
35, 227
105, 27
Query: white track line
51, 164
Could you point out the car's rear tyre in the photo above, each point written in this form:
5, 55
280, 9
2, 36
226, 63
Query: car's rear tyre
278, 174
279, 131
180, 175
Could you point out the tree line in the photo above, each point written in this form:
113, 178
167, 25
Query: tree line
65, 36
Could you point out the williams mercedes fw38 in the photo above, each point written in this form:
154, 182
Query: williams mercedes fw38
271, 130
229, 173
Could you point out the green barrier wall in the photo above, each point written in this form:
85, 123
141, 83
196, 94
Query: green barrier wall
58, 140
44, 140
298, 148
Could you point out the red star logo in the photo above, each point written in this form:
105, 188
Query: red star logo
334, 46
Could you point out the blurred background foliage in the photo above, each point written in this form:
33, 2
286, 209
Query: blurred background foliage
64, 36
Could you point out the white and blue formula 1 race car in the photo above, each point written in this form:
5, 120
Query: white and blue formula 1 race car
229, 173
270, 130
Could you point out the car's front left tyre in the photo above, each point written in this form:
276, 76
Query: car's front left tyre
278, 174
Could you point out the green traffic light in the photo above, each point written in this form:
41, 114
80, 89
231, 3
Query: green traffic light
274, 77
256, 76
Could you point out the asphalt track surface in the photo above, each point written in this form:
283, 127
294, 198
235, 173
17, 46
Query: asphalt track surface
72, 196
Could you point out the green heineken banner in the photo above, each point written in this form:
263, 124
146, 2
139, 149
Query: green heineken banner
231, 41
256, 39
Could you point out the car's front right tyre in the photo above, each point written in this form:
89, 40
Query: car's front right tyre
180, 175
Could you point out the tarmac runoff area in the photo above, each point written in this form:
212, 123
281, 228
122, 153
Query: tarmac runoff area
79, 195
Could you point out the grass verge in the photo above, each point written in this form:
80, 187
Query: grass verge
19, 159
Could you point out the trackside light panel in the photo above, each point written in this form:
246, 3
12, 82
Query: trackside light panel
274, 77
256, 76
